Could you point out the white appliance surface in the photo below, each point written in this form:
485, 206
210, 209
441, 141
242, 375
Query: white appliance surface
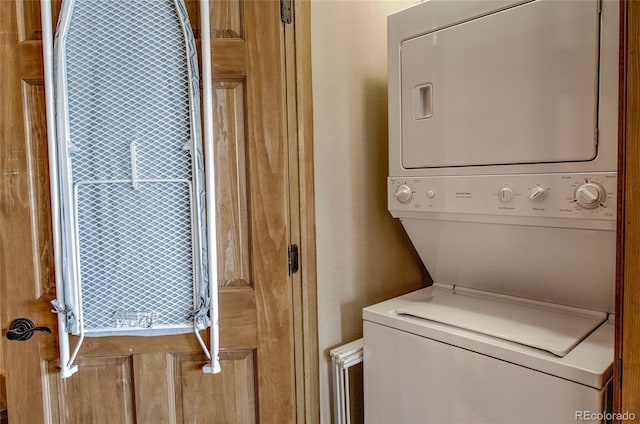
589, 363
519, 85
568, 266
410, 379
503, 87
554, 328
511, 195
543, 230
502, 170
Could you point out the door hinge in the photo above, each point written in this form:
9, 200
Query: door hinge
293, 258
620, 373
285, 11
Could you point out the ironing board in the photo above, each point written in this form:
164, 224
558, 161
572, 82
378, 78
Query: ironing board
130, 179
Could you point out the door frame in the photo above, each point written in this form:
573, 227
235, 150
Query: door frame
302, 210
626, 364
299, 104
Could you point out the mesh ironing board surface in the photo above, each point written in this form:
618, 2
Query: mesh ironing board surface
127, 101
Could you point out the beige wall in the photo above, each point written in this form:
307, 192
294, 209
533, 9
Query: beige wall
363, 255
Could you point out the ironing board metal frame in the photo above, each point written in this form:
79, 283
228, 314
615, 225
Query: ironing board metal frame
69, 299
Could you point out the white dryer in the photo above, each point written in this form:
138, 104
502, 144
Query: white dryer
503, 166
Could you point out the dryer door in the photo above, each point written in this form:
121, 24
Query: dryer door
513, 87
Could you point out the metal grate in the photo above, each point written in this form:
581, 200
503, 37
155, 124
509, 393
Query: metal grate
132, 126
127, 82
135, 253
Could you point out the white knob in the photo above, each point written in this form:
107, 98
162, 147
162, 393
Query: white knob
537, 194
403, 194
505, 195
431, 194
590, 195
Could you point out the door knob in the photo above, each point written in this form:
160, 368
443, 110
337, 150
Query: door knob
22, 329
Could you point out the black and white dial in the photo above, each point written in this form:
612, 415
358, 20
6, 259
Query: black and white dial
404, 194
590, 195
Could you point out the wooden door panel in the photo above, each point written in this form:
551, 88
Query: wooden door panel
102, 391
231, 184
228, 397
226, 18
38, 163
29, 20
151, 387
229, 60
29, 28
159, 379
177, 387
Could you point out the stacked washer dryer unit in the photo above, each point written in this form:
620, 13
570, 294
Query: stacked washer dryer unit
503, 151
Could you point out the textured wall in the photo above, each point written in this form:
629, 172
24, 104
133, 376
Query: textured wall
363, 254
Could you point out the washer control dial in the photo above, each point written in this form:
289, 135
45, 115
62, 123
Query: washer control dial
403, 194
590, 195
505, 195
537, 194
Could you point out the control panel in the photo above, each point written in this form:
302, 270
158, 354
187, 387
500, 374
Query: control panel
589, 196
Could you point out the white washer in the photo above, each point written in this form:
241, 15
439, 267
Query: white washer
423, 371
502, 164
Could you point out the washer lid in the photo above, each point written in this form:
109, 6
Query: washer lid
554, 328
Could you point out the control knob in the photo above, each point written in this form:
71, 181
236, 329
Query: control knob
590, 195
505, 195
404, 194
537, 194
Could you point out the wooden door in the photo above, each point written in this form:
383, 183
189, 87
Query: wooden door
158, 379
627, 364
